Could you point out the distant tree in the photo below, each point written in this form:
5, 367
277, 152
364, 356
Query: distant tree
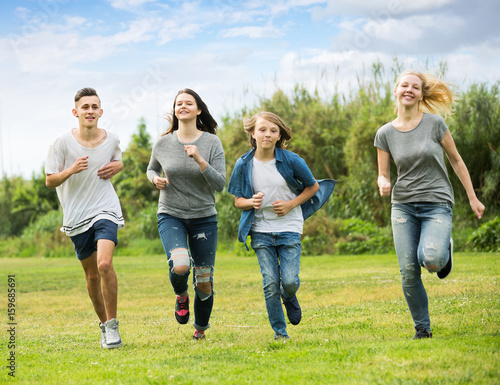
13, 221
475, 126
35, 199
132, 186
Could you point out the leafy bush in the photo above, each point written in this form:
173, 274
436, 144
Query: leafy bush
324, 235
228, 217
140, 234
42, 238
487, 237
47, 223
137, 246
360, 237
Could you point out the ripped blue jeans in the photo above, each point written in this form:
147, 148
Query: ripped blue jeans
279, 260
199, 237
421, 234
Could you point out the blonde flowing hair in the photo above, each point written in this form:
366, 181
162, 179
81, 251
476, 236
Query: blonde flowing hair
438, 96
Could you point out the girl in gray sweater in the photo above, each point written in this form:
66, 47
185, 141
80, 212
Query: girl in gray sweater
187, 165
422, 197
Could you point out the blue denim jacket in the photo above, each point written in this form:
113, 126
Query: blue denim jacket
296, 174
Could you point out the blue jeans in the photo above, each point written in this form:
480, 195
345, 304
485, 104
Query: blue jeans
422, 234
279, 260
199, 236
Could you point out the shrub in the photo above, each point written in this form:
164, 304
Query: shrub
360, 237
487, 237
42, 238
324, 235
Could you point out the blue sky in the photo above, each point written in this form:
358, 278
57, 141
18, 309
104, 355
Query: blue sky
139, 53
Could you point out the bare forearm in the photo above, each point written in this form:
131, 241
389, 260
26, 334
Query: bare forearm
57, 179
463, 174
305, 195
243, 203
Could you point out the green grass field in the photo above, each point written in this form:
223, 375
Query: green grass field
356, 327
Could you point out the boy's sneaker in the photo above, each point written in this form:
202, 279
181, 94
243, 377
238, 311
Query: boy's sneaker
198, 335
103, 335
443, 273
422, 333
293, 311
182, 309
281, 337
113, 339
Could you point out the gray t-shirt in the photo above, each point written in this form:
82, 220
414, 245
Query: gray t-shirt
190, 193
419, 159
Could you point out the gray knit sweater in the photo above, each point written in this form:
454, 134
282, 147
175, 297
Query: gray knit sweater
190, 193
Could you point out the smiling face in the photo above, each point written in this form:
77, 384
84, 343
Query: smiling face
266, 134
88, 111
186, 107
408, 91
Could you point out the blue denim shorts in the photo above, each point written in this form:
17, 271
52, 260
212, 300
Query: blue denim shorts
86, 243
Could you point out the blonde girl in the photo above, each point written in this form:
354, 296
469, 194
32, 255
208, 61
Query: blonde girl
422, 197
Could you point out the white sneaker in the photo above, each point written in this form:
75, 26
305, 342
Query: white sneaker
103, 335
113, 339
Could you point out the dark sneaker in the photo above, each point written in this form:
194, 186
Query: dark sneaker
443, 273
422, 333
281, 337
198, 335
293, 311
182, 309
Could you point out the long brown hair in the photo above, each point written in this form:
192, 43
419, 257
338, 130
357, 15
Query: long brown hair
204, 121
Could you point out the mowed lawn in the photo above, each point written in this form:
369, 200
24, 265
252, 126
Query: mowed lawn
355, 329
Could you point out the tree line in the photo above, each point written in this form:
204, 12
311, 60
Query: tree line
335, 137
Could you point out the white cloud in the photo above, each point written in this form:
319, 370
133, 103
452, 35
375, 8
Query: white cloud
253, 32
50, 50
140, 30
277, 7
413, 28
127, 4
377, 8
22, 12
74, 21
429, 33
177, 30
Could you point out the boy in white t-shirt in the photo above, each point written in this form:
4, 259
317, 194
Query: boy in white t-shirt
79, 165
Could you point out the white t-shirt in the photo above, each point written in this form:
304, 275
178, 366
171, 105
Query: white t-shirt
267, 179
84, 197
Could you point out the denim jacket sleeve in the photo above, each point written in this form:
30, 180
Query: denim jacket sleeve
295, 172
298, 176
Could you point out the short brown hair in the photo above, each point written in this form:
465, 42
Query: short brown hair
87, 91
285, 131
